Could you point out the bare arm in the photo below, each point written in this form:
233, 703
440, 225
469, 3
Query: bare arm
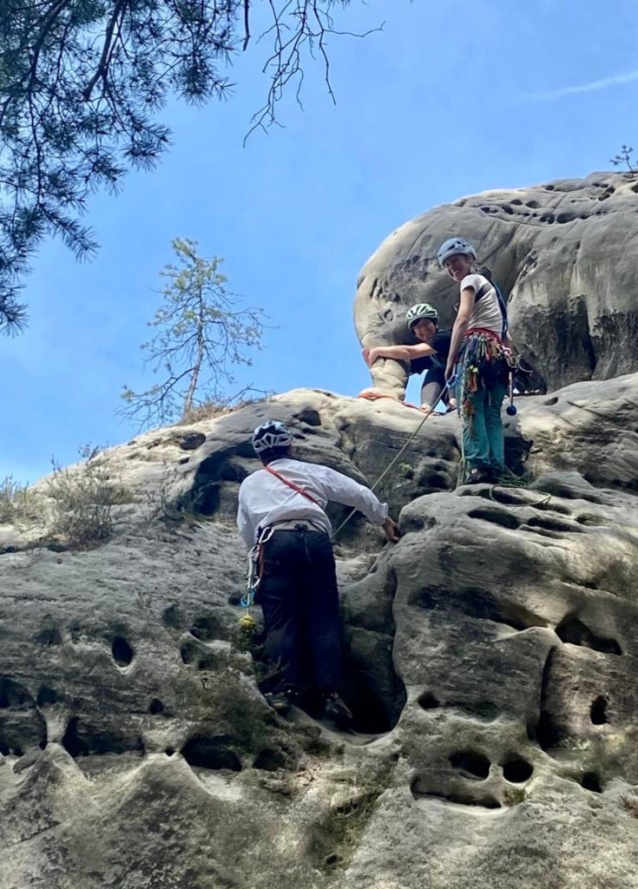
460, 326
399, 353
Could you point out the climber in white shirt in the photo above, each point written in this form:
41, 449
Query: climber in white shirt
479, 359
282, 511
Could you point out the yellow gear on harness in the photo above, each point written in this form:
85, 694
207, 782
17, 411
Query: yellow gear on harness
247, 622
253, 576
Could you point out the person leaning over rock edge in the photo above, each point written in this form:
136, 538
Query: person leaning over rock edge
429, 355
479, 357
282, 511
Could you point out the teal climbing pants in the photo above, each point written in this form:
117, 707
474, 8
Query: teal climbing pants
483, 436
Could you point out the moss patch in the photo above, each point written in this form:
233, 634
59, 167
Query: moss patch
338, 835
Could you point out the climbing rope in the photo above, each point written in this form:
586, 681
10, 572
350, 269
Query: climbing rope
247, 621
396, 457
509, 479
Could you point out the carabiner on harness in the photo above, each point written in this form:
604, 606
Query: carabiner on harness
255, 566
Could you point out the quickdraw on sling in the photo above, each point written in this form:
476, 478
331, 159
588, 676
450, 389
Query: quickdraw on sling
484, 361
253, 576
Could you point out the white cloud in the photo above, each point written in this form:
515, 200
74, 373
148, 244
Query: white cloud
585, 87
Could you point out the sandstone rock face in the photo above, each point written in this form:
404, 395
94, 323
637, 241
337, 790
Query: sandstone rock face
492, 663
563, 254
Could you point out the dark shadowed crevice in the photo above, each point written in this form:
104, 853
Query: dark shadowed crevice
482, 711
485, 711
14, 696
206, 752
551, 523
546, 731
122, 652
21, 724
598, 711
471, 764
372, 688
420, 791
310, 416
574, 632
49, 634
47, 697
173, 617
476, 603
188, 652
517, 770
591, 781
83, 739
207, 627
428, 702
373, 692
205, 496
495, 516
269, 760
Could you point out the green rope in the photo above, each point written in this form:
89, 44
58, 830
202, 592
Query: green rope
395, 458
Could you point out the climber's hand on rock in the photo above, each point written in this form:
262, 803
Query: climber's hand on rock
427, 409
370, 356
391, 530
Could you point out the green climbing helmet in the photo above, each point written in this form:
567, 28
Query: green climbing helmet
420, 311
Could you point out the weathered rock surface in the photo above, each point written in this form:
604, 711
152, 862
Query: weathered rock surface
563, 253
492, 662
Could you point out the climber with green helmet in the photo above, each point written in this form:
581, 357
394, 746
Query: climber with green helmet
478, 361
429, 354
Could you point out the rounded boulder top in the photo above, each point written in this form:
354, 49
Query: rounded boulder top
562, 253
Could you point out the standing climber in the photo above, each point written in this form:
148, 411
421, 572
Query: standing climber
479, 356
282, 513
429, 355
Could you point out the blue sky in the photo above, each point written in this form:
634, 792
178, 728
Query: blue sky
449, 99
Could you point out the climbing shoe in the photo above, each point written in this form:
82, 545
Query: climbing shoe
281, 701
336, 709
480, 475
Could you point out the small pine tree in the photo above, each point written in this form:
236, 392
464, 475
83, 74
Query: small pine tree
202, 331
624, 158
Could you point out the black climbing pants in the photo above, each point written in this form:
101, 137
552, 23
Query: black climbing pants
299, 597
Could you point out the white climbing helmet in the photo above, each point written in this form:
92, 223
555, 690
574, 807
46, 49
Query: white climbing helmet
421, 310
271, 434
453, 246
